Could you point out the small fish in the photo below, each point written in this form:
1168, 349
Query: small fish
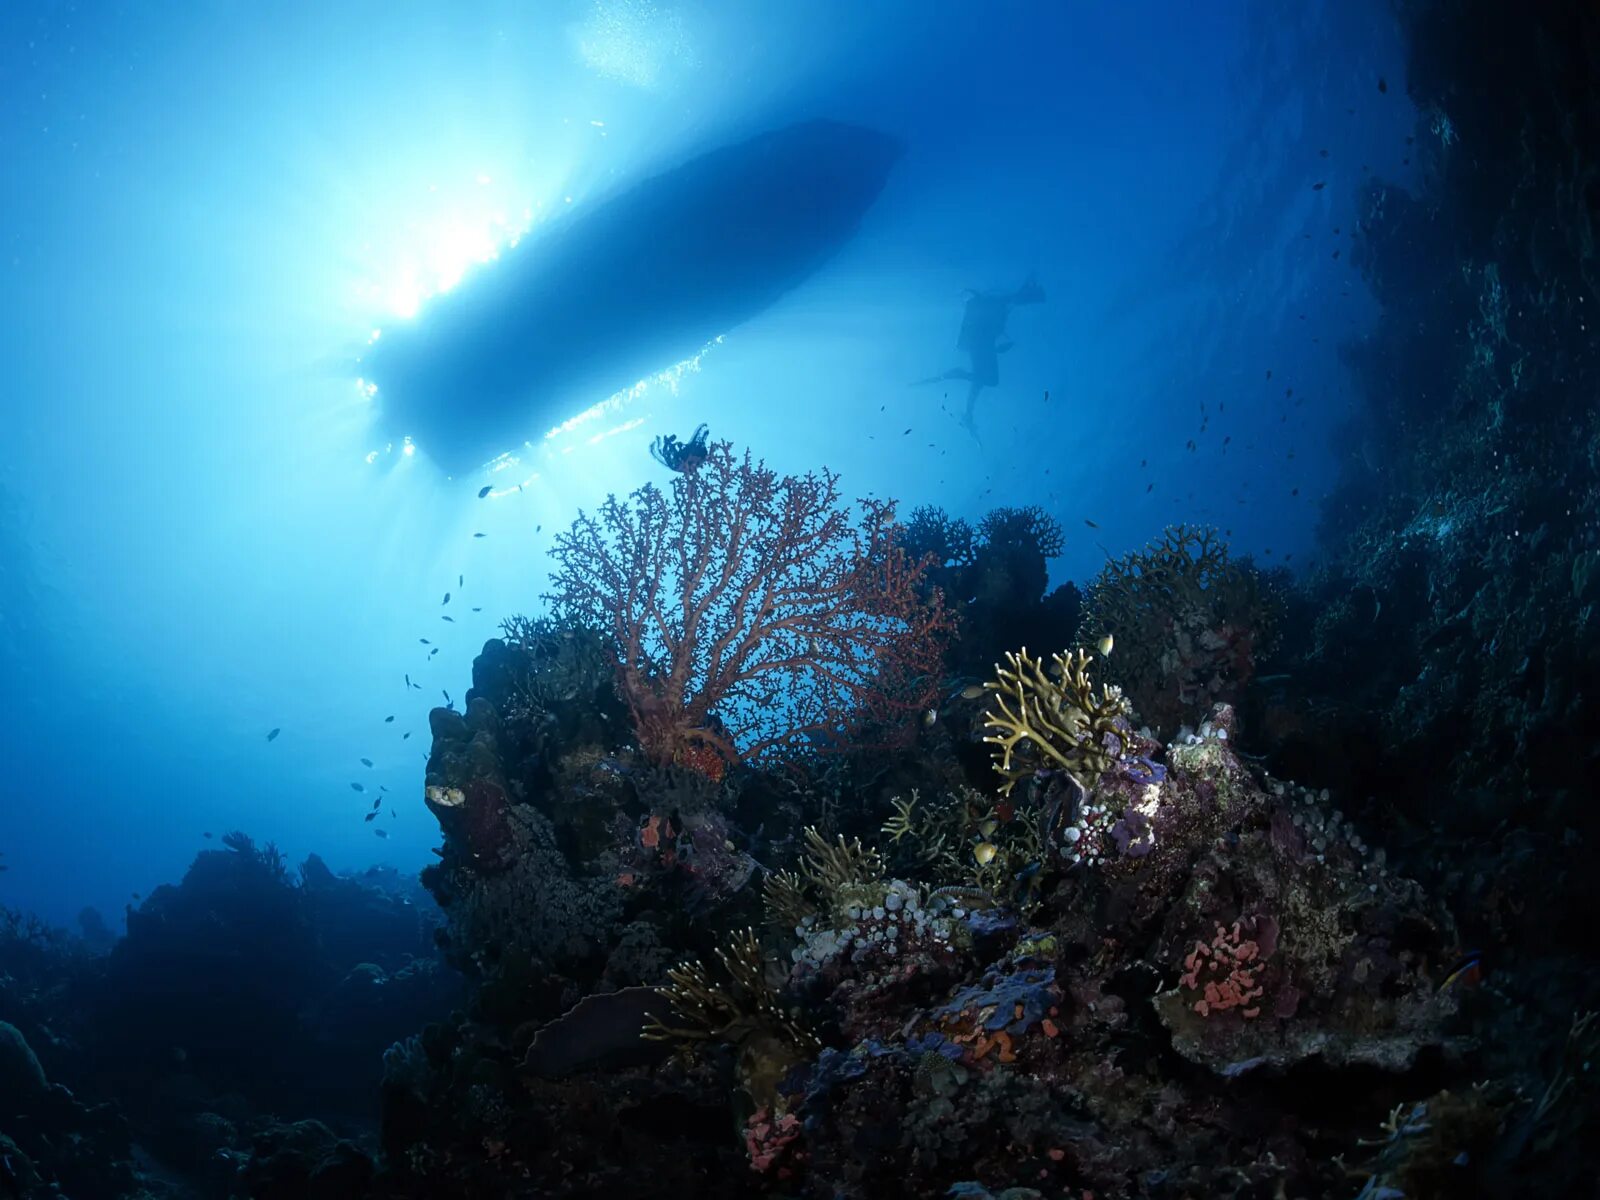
383, 787
903, 434
392, 813
371, 816
538, 528
1319, 185
485, 490
1090, 523
446, 599
207, 836
425, 641
446, 695
418, 686
136, 895
366, 762
1468, 972
405, 736
377, 804
987, 827
358, 787
431, 653
408, 681
389, 720
1148, 488
480, 535
461, 581
973, 691
383, 833
271, 736
930, 716
477, 610
1383, 84
1105, 644
984, 852
452, 620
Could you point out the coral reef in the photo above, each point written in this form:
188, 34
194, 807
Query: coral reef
1189, 623
997, 576
1135, 925
998, 993
749, 617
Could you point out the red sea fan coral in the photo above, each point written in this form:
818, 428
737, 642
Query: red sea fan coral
749, 614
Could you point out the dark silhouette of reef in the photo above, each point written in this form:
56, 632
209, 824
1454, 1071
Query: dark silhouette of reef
243, 991
1445, 666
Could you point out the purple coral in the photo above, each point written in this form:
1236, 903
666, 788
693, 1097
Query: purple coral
1013, 1002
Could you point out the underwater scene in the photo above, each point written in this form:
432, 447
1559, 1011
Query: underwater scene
800, 599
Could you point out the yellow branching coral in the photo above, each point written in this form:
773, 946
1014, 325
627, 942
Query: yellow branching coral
841, 871
1062, 722
927, 836
961, 836
741, 1009
785, 899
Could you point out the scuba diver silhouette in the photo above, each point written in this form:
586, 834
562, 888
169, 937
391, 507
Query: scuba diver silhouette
983, 338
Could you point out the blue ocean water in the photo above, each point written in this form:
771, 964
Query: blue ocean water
210, 208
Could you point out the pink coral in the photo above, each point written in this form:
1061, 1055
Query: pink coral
766, 1138
751, 617
1226, 972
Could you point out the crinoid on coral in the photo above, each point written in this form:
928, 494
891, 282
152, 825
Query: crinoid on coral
1190, 624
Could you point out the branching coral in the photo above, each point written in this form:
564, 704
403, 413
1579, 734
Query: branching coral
927, 837
843, 872
1064, 723
557, 664
932, 531
784, 899
961, 835
1189, 623
741, 1009
1031, 527
751, 618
